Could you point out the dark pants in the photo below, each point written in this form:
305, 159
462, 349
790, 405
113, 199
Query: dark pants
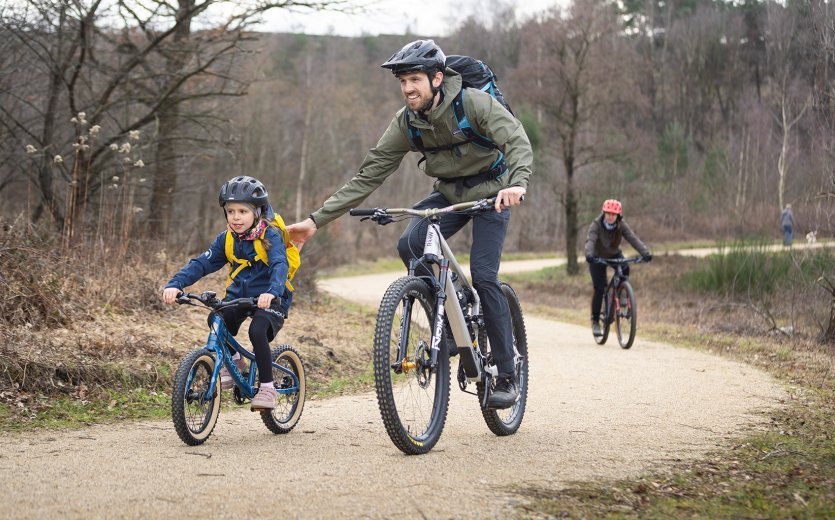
264, 327
787, 235
600, 280
489, 230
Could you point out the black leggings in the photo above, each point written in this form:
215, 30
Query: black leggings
264, 328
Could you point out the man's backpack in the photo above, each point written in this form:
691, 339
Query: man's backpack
293, 256
474, 74
477, 74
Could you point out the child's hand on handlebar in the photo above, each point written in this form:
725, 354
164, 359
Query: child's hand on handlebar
169, 295
265, 300
509, 197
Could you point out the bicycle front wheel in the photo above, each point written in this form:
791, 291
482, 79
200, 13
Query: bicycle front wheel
291, 391
626, 318
507, 421
413, 396
194, 404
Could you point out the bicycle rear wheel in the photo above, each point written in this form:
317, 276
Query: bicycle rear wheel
606, 322
194, 404
290, 401
413, 397
627, 316
507, 421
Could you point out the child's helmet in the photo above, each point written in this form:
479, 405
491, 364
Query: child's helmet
613, 206
243, 189
418, 56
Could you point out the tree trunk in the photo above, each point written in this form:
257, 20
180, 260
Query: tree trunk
308, 114
165, 175
572, 267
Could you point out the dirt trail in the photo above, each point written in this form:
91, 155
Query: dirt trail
593, 411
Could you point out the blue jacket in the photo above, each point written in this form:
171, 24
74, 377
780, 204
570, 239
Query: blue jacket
252, 281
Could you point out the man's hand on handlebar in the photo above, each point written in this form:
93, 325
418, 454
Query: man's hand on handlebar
509, 197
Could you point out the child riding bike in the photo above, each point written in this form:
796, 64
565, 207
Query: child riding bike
250, 237
603, 241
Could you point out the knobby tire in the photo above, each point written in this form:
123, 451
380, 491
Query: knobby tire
413, 411
289, 407
507, 421
627, 318
195, 406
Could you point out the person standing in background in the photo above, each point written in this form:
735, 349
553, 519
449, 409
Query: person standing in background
787, 221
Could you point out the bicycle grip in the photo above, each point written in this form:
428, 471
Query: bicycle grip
362, 212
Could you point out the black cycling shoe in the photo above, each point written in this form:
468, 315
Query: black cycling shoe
505, 393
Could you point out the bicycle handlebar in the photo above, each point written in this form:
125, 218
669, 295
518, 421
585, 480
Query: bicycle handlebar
619, 261
209, 299
382, 215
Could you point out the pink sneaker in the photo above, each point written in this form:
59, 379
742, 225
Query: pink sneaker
264, 399
226, 381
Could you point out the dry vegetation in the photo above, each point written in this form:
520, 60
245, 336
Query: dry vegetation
78, 333
787, 471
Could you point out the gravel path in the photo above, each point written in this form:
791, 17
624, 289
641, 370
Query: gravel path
593, 412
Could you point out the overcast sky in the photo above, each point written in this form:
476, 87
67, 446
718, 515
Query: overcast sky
420, 17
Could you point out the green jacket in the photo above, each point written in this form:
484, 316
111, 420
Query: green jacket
487, 117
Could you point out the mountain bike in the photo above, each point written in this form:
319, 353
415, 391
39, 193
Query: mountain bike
619, 304
411, 362
195, 396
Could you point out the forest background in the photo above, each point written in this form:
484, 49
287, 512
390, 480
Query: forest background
121, 120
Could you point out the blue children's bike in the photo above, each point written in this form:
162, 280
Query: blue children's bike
195, 398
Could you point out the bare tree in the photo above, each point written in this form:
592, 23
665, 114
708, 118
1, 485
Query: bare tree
120, 67
580, 83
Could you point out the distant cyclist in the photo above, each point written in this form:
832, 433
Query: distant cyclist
606, 233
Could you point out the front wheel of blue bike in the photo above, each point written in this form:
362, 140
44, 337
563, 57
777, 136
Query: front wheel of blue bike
291, 391
195, 404
413, 395
507, 421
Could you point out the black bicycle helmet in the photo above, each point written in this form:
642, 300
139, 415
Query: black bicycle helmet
418, 56
244, 189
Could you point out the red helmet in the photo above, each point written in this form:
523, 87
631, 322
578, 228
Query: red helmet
613, 206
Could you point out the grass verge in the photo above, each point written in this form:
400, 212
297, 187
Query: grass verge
787, 471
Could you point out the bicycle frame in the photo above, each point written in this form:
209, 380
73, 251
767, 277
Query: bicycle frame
447, 272
219, 338
612, 290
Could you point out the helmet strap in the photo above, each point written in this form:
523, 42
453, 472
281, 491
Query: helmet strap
434, 90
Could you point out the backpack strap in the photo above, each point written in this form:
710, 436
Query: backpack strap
463, 124
260, 254
230, 255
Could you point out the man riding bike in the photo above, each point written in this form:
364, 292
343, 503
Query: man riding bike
465, 172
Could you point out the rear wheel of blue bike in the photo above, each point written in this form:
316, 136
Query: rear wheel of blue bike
412, 395
626, 319
606, 315
194, 404
507, 421
291, 391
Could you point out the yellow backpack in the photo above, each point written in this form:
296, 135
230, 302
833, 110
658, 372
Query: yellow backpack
293, 256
